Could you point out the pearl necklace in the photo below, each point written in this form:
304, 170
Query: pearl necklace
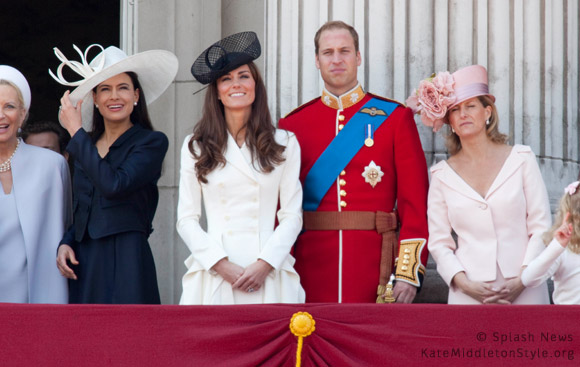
7, 165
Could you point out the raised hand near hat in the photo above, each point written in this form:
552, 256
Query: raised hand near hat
69, 115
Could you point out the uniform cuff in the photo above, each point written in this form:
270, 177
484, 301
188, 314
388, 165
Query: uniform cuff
408, 263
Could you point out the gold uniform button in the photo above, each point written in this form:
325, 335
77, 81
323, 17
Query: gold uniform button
340, 117
342, 193
406, 257
342, 182
407, 250
343, 173
406, 262
340, 127
343, 204
404, 267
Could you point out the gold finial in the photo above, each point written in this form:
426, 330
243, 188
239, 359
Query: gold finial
301, 325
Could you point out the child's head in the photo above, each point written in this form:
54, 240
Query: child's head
570, 203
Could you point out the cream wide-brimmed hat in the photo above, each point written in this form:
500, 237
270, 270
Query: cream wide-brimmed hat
14, 76
156, 70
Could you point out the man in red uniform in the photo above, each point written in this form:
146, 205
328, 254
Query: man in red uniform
361, 160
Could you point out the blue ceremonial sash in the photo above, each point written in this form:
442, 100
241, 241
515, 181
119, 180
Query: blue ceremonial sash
342, 149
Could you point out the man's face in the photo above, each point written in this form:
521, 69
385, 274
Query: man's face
47, 139
337, 60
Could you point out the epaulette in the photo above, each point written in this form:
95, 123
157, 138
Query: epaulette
386, 99
302, 106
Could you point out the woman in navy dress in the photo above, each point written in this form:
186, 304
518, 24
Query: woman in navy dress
105, 253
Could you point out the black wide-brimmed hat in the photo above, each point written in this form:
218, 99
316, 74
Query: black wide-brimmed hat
225, 56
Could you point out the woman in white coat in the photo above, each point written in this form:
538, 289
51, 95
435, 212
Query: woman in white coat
489, 193
244, 173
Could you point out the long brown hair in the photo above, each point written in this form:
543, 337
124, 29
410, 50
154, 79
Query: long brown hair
211, 132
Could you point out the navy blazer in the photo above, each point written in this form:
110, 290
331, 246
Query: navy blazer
117, 193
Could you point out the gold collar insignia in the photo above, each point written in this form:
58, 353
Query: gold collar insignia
347, 100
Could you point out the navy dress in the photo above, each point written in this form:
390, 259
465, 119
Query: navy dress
114, 201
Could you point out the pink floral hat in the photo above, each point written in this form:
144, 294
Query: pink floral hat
438, 93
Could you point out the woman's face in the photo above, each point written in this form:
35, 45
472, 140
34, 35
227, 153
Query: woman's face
469, 117
115, 98
12, 113
237, 89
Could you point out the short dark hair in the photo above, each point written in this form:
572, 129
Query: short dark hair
46, 126
335, 24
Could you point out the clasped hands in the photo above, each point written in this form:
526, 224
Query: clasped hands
487, 293
247, 279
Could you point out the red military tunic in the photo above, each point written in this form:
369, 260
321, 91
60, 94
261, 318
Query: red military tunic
343, 265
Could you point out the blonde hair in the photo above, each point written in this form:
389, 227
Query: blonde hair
568, 204
453, 142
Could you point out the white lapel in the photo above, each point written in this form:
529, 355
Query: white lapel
235, 157
511, 165
451, 179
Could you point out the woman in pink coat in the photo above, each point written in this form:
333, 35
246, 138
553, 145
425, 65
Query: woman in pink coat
490, 194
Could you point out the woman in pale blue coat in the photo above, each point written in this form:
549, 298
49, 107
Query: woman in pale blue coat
34, 202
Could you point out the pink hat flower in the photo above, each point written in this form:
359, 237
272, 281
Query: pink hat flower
571, 189
433, 98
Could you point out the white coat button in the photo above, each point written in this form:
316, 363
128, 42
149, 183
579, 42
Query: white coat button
483, 206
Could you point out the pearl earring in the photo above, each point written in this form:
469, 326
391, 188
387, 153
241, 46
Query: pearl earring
453, 130
487, 122
135, 103
96, 105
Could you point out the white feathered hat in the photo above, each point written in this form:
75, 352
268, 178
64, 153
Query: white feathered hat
156, 70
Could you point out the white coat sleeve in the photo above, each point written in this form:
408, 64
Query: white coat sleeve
441, 244
538, 206
544, 266
279, 244
204, 249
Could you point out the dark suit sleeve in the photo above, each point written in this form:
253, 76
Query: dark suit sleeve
141, 166
69, 237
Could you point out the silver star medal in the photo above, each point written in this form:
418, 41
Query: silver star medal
373, 174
